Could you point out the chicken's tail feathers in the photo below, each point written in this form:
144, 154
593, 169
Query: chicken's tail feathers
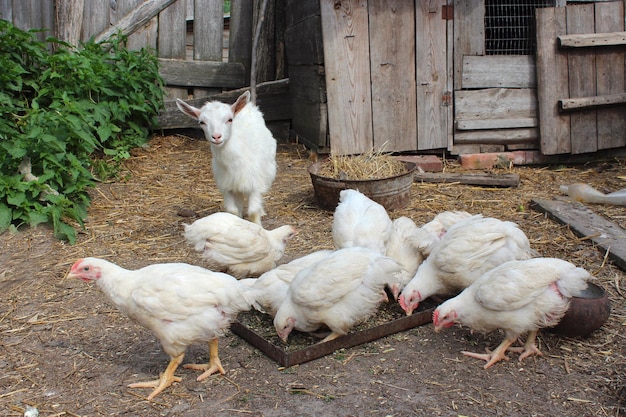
574, 281
249, 293
194, 236
423, 240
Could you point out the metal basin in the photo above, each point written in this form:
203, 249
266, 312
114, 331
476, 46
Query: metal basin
391, 192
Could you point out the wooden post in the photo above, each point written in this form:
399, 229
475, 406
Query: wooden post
69, 19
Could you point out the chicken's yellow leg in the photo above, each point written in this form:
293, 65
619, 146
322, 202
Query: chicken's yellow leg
213, 366
530, 348
331, 336
166, 379
495, 356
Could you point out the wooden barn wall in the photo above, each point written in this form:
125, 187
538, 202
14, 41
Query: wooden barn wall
581, 86
305, 57
200, 56
387, 83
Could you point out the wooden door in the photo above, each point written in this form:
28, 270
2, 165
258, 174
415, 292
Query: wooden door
433, 50
387, 74
580, 78
495, 87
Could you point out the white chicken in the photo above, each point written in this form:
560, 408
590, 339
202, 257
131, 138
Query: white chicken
432, 232
401, 249
517, 297
360, 221
470, 248
237, 246
179, 303
340, 291
270, 289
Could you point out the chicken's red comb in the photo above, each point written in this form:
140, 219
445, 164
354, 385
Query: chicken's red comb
78, 262
435, 316
401, 302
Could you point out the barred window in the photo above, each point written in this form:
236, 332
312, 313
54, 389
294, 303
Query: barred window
510, 26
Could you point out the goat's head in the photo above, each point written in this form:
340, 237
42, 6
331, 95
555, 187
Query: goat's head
216, 118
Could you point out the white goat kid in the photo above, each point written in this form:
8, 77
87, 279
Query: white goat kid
243, 149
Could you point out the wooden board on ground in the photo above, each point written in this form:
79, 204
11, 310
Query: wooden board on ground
586, 224
506, 180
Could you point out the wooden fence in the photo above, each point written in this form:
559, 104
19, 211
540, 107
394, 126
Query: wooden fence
203, 54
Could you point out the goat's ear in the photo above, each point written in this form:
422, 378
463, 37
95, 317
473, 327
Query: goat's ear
188, 109
241, 102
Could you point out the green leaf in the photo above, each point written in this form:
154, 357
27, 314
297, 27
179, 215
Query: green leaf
35, 218
6, 215
16, 198
64, 231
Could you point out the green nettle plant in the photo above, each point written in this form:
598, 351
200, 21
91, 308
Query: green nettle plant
67, 119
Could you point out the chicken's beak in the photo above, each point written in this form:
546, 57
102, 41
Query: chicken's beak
395, 291
68, 275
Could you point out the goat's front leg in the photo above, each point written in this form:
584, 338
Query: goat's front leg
233, 203
255, 207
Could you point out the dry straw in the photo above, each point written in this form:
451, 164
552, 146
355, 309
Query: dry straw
374, 164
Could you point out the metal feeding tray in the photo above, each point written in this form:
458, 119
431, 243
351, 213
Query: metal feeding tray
312, 349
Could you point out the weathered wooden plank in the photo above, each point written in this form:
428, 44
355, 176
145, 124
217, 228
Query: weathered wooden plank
307, 49
304, 47
172, 27
308, 102
469, 34
593, 102
172, 40
240, 46
47, 22
178, 72
496, 136
608, 236
346, 57
450, 49
266, 48
582, 76
299, 11
505, 180
392, 68
310, 124
25, 15
6, 11
495, 103
273, 100
135, 18
208, 32
489, 71
610, 77
497, 123
208, 28
432, 75
34, 14
552, 81
593, 39
95, 18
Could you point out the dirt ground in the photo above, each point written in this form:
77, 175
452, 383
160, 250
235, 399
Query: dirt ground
65, 350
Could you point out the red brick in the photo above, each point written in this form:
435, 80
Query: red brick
429, 163
486, 160
529, 158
